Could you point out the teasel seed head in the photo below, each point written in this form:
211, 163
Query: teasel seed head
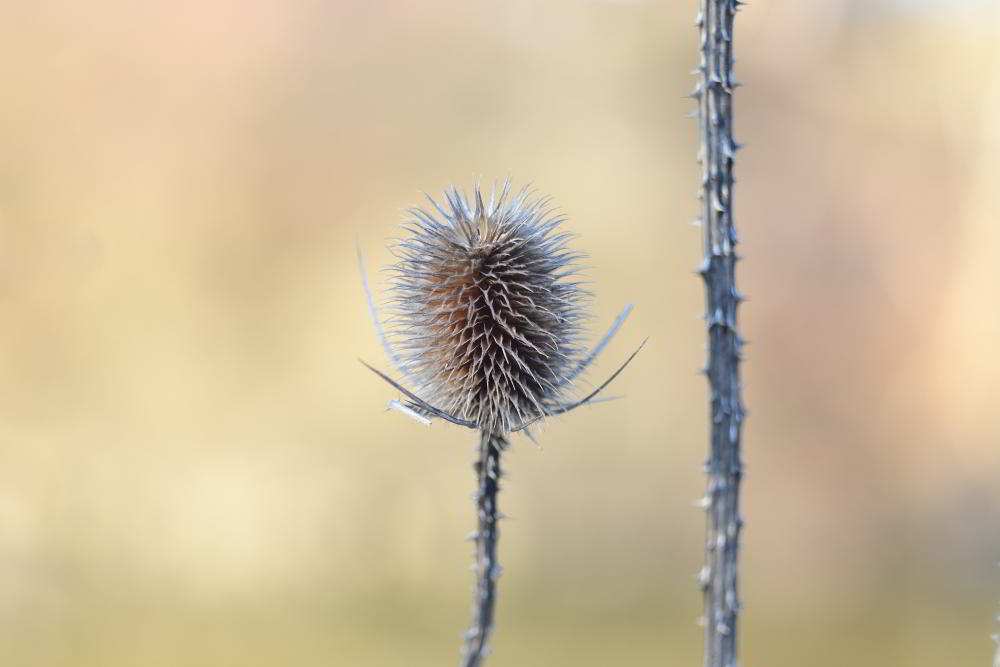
487, 311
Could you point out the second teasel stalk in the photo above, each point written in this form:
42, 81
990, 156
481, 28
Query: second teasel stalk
719, 578
486, 323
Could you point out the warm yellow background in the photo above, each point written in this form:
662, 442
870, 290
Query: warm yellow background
195, 470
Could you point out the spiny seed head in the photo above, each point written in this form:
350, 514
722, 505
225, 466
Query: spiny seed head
487, 313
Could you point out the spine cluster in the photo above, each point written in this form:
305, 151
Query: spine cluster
486, 314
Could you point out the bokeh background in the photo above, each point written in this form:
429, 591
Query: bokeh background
195, 470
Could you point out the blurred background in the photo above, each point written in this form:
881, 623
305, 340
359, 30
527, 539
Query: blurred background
195, 470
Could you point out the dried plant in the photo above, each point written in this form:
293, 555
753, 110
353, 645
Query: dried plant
486, 322
720, 575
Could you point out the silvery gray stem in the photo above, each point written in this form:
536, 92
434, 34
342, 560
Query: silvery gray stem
719, 578
487, 467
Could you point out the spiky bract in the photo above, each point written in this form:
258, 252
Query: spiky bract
487, 311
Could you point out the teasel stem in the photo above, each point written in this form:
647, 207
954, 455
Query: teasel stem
720, 576
488, 570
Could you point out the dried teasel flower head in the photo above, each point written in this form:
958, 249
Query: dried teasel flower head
487, 311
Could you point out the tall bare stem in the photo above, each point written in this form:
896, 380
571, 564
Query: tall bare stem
719, 578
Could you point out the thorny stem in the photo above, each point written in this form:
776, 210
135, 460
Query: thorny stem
719, 578
487, 467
